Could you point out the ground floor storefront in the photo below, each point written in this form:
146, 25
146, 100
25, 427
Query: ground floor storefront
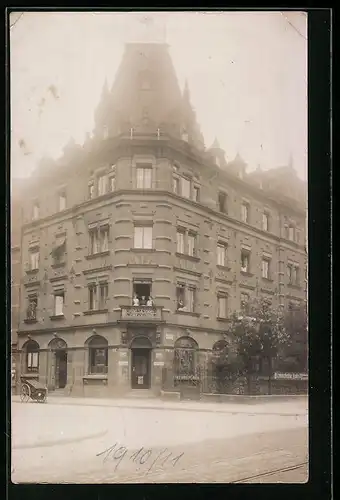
163, 360
106, 362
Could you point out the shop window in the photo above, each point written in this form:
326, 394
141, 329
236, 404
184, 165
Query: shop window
98, 355
185, 359
31, 350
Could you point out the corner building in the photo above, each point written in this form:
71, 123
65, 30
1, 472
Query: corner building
142, 209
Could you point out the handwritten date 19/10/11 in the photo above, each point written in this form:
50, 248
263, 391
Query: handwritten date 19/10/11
140, 457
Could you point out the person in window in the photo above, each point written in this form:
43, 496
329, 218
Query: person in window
135, 301
143, 301
180, 305
149, 302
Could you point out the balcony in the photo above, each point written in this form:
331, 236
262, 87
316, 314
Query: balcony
141, 314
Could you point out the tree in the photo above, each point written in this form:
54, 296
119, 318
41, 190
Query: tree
294, 357
259, 335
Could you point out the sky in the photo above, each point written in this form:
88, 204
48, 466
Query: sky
247, 75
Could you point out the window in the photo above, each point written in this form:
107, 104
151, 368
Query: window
35, 213
190, 299
98, 355
143, 237
196, 193
112, 184
141, 292
91, 190
98, 295
175, 185
265, 221
59, 250
191, 244
245, 303
245, 261
144, 177
185, 360
297, 235
34, 260
245, 212
103, 295
185, 187
217, 161
99, 240
221, 254
293, 274
102, 185
31, 313
93, 297
32, 356
186, 298
62, 201
180, 241
286, 232
180, 296
265, 268
186, 243
222, 202
222, 306
59, 299
291, 233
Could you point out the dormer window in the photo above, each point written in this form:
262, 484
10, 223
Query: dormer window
185, 187
62, 201
102, 185
245, 212
35, 211
222, 202
91, 190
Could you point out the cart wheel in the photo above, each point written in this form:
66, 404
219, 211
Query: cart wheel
25, 393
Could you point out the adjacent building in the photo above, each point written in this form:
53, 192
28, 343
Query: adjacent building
137, 245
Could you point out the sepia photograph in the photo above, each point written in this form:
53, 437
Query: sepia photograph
158, 246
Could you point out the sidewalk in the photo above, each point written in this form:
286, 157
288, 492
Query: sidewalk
288, 407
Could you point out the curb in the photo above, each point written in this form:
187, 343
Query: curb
196, 410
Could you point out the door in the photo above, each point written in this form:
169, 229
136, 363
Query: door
140, 377
61, 369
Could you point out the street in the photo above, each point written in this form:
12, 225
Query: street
138, 442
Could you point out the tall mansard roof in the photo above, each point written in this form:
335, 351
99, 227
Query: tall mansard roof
146, 96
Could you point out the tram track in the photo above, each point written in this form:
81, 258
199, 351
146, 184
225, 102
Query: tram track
271, 473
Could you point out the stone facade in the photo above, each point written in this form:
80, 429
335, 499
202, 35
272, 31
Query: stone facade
180, 195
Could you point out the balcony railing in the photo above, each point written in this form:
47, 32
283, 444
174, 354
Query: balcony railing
141, 313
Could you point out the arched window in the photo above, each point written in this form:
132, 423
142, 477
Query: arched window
98, 355
185, 357
31, 349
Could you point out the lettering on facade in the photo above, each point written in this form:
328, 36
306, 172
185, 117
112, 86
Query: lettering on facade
139, 312
290, 376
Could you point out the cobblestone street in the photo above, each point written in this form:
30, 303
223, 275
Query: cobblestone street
57, 443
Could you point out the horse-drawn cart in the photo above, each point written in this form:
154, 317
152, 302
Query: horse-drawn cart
32, 389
